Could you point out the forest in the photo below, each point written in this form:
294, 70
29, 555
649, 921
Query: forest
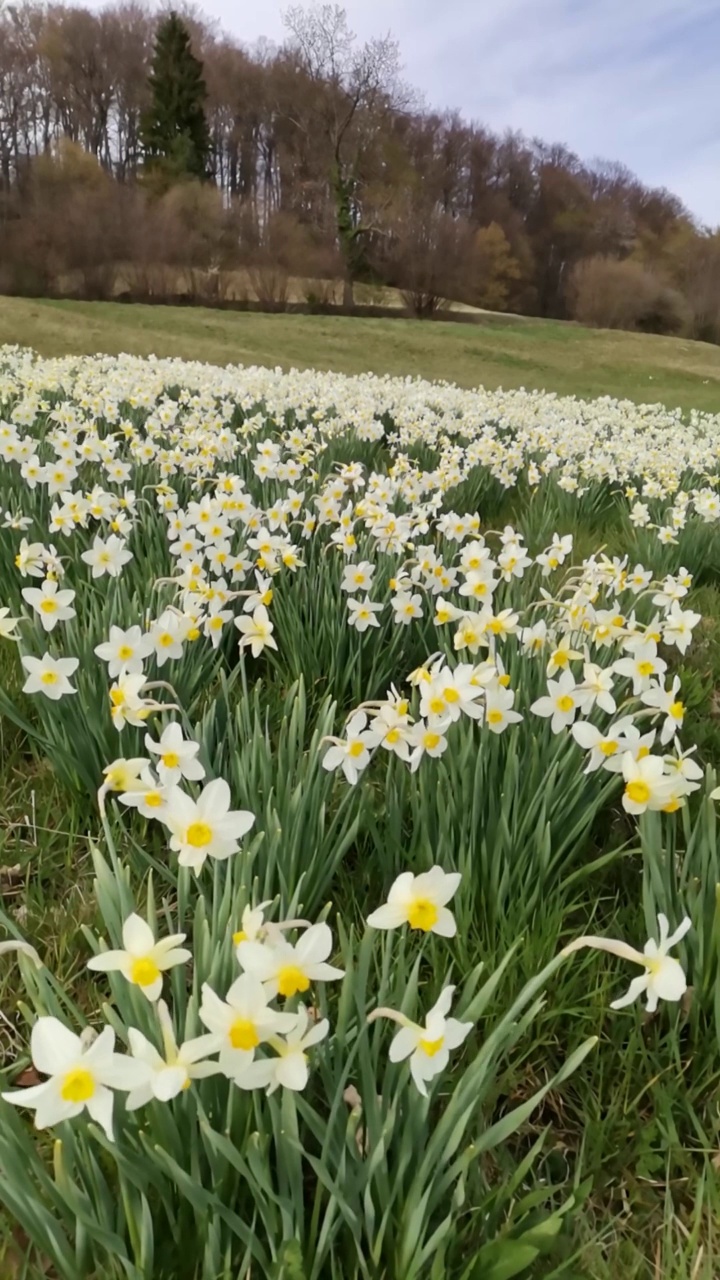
315, 167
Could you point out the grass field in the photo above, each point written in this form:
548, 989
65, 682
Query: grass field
537, 354
565, 1139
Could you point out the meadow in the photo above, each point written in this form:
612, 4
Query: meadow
359, 861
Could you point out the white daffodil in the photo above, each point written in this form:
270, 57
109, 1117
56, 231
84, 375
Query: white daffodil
561, 702
167, 637
107, 557
290, 1070
143, 960
641, 666
363, 613
242, 1021
499, 704
124, 651
602, 746
256, 631
50, 675
124, 775
649, 786
169, 1076
285, 968
206, 827
177, 756
663, 979
358, 577
127, 706
351, 753
50, 604
80, 1076
669, 704
147, 795
596, 689
427, 740
428, 1047
420, 901
7, 625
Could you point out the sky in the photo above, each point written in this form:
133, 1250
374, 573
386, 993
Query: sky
628, 80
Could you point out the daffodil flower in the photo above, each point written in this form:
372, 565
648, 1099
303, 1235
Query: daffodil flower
80, 1077
50, 676
169, 1076
143, 960
287, 969
206, 827
177, 756
663, 979
428, 1047
242, 1021
420, 901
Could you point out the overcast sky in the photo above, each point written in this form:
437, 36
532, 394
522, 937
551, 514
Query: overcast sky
629, 80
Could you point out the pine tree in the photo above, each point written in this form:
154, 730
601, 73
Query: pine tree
174, 129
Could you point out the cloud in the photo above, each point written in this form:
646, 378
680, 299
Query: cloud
629, 80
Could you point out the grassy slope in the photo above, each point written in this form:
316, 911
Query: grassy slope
523, 353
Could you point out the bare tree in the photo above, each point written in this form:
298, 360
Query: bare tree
353, 86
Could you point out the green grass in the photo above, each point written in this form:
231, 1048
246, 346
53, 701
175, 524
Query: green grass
538, 354
640, 1122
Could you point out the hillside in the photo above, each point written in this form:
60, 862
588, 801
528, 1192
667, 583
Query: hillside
541, 354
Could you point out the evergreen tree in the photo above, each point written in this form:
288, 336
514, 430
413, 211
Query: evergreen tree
174, 129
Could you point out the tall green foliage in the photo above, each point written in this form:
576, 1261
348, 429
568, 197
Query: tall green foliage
174, 129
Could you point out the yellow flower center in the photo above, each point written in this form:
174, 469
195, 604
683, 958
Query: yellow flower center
78, 1085
494, 716
422, 914
504, 681
431, 1047
166, 640
117, 697
437, 705
356, 749
170, 759
198, 835
451, 695
125, 652
560, 658
430, 740
442, 615
193, 633
144, 971
609, 747
243, 1035
677, 710
239, 936
48, 677
153, 799
496, 625
392, 736
638, 791
642, 752
291, 980
672, 805
565, 703
48, 606
646, 668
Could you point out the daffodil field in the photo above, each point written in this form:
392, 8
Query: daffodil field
379, 718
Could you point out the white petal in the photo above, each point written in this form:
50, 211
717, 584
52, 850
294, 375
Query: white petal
138, 937
389, 916
53, 1046
404, 1043
100, 1107
636, 988
445, 924
166, 1084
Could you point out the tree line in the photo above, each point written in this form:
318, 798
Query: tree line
155, 154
